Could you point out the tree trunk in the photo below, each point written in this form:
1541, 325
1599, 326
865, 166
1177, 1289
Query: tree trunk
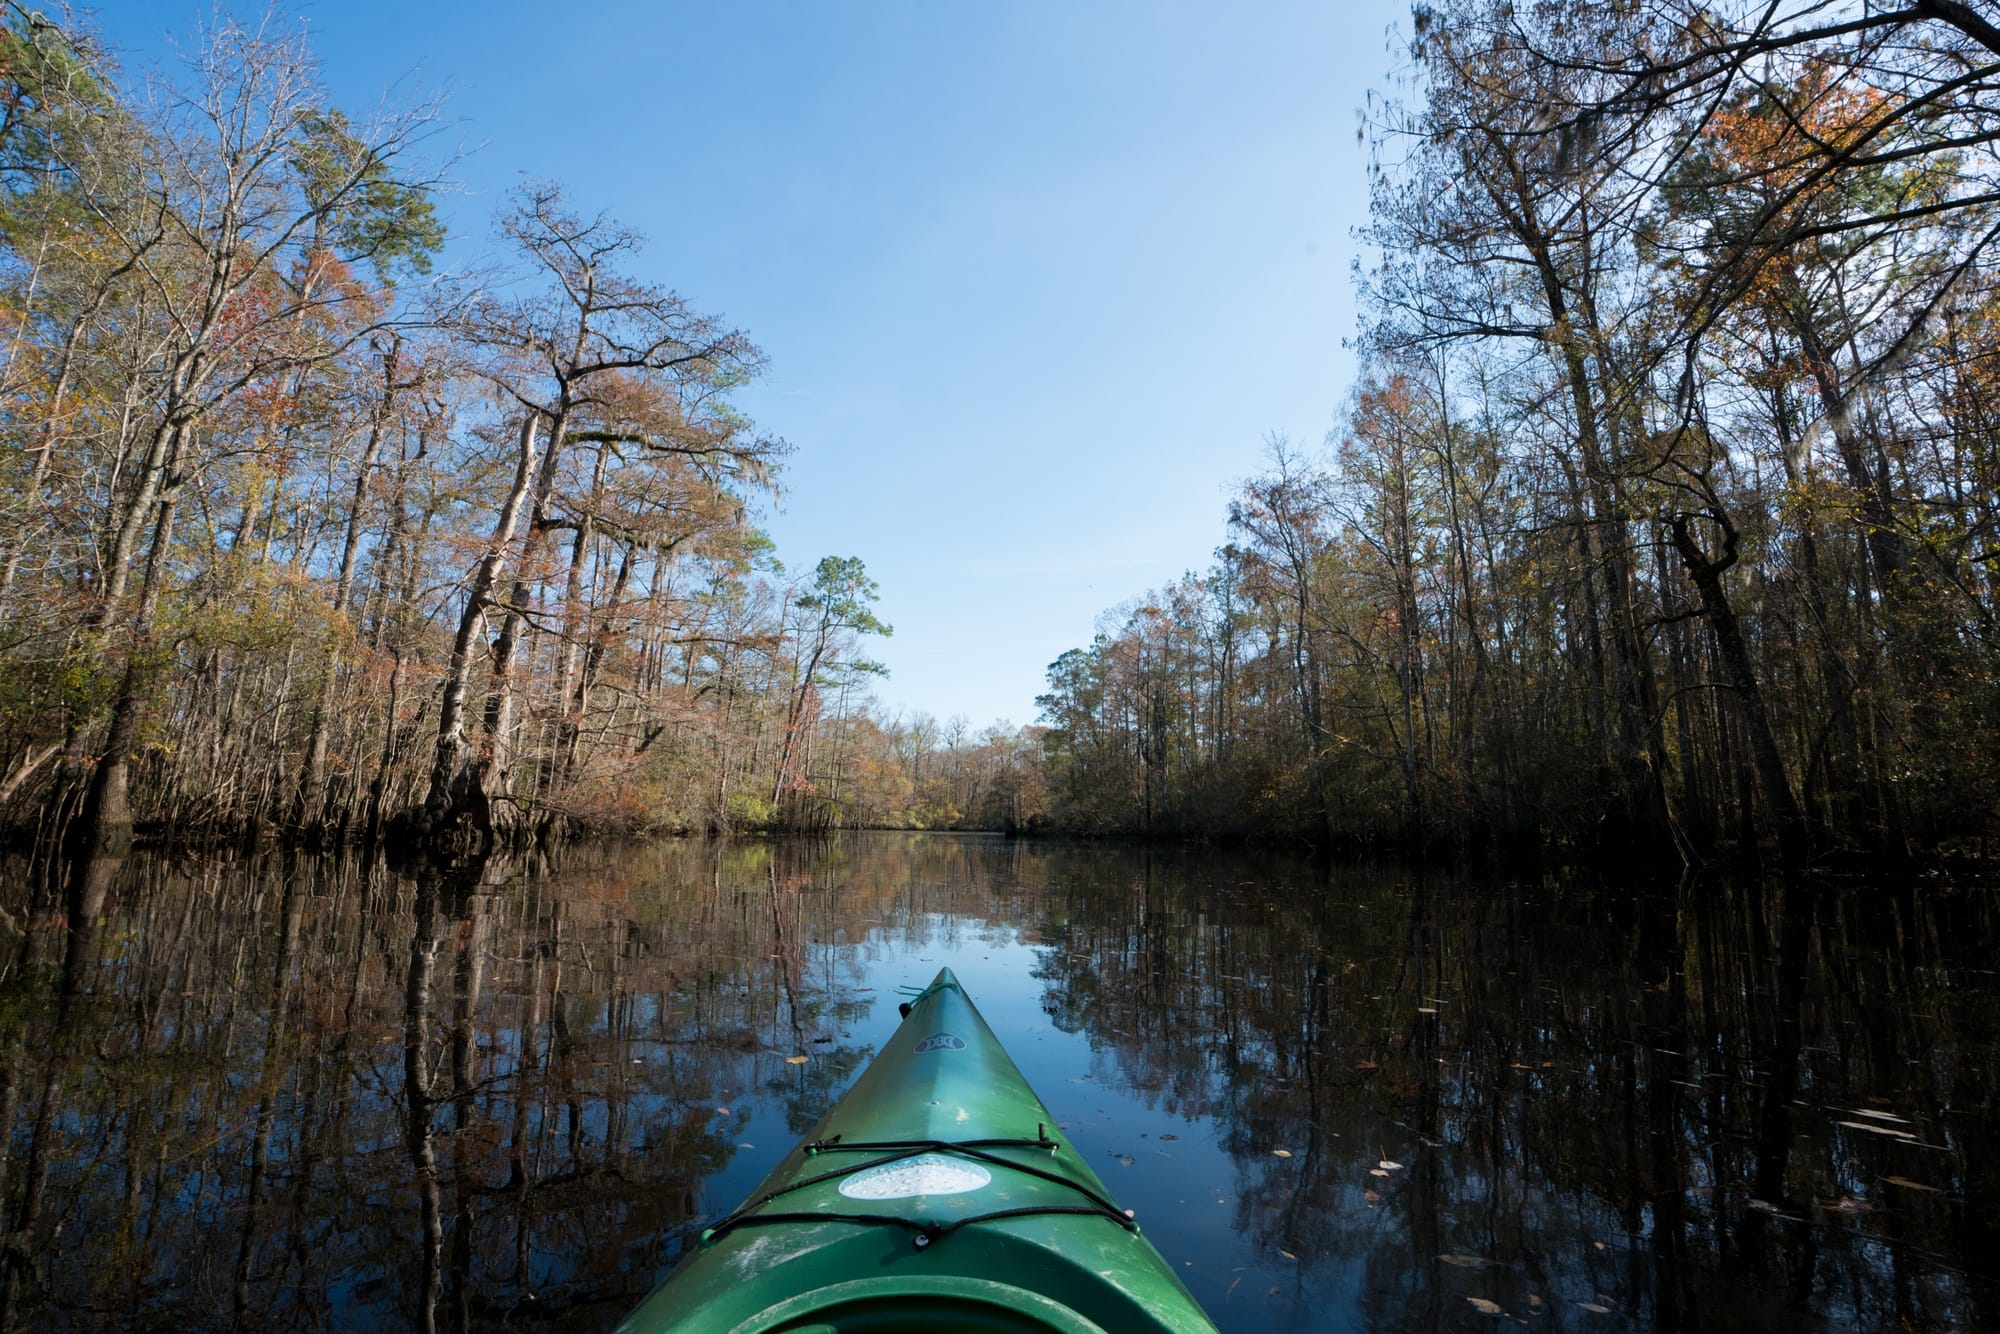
593, 663
309, 807
497, 776
1573, 329
1739, 669
456, 793
106, 827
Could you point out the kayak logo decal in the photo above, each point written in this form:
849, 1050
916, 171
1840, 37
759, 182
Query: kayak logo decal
925, 1174
941, 1042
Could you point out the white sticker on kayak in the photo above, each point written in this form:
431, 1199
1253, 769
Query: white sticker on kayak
925, 1174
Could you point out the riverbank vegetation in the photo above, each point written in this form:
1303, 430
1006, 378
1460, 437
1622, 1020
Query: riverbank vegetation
1663, 516
300, 533
1666, 515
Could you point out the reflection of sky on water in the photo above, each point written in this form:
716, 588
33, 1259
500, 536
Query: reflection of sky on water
1583, 1091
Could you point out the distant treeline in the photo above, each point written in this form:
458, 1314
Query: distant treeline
297, 535
1666, 515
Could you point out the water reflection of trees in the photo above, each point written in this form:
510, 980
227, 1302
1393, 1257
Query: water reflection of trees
1675, 1105
301, 1093
313, 1093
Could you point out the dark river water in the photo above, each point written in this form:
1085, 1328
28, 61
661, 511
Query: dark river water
301, 1093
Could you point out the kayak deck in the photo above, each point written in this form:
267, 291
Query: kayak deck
933, 1195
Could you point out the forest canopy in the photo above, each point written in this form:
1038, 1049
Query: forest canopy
1666, 514
1662, 516
300, 531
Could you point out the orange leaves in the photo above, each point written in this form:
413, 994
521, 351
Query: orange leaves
1773, 149
269, 318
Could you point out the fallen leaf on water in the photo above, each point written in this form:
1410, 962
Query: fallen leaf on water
1281, 1153
797, 1060
1593, 1306
1908, 1184
1371, 1197
1287, 1254
1484, 1307
1432, 1009
1376, 1172
1535, 1301
1600, 1246
1170, 1136
1366, 1065
722, 1111
1125, 1158
1891, 1132
1465, 1261
1388, 1166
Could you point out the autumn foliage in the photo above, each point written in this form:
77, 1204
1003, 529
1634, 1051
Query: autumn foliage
1663, 524
298, 535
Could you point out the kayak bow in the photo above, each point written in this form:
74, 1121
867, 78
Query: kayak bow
933, 1196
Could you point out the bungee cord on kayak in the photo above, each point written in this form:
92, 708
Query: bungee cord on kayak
919, 1145
895, 1151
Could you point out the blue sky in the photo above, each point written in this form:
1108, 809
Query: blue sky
1036, 280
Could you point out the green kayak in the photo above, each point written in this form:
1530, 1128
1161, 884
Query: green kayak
934, 1196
